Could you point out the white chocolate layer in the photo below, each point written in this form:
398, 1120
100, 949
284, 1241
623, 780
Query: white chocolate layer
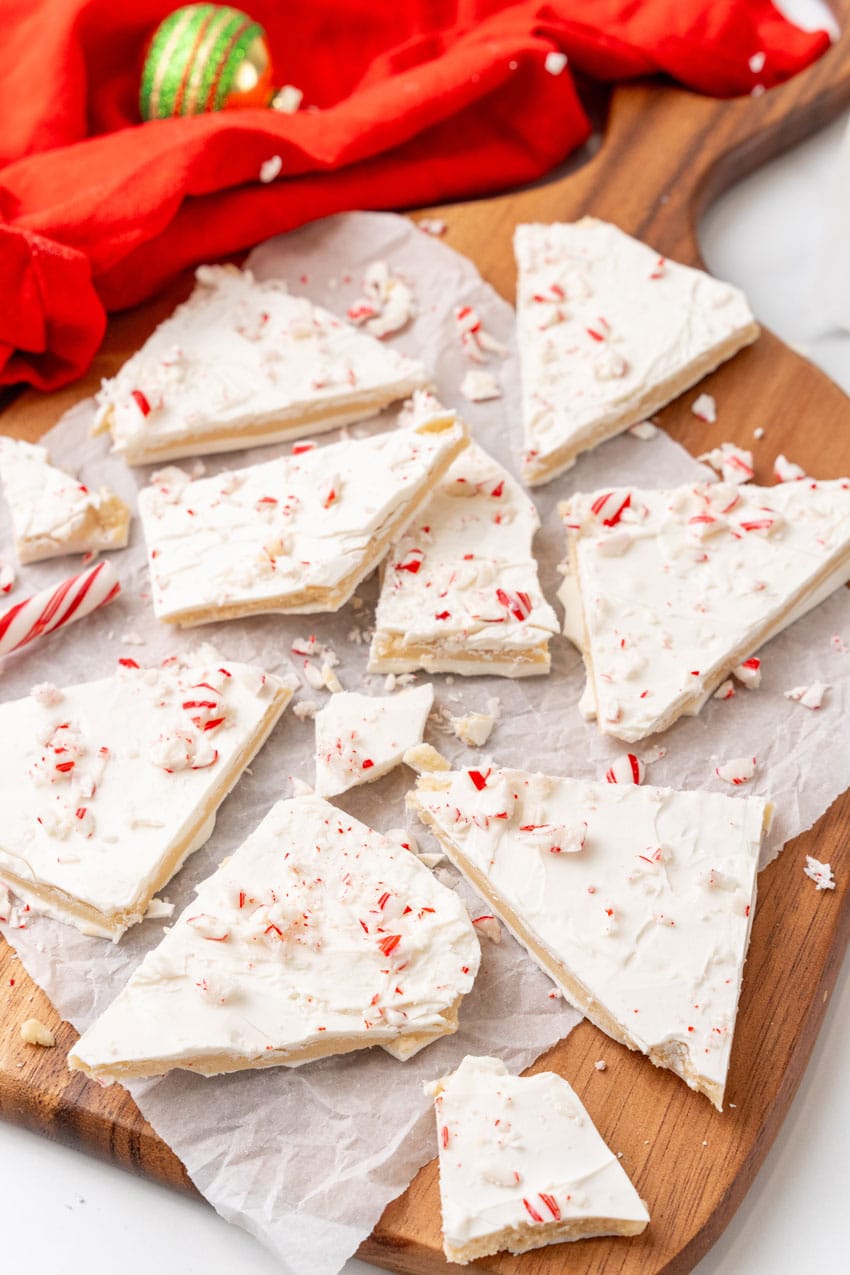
292, 535
522, 1165
608, 333
460, 592
677, 588
109, 785
360, 738
240, 363
53, 513
316, 937
644, 926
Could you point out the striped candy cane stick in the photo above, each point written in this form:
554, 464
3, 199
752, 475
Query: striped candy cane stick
50, 609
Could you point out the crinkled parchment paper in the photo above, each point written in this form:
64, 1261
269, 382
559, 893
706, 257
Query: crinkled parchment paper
307, 1159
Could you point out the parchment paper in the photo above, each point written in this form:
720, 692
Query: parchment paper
307, 1159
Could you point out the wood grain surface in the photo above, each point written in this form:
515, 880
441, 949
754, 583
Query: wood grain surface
664, 155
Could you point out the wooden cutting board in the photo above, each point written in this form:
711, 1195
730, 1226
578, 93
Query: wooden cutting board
665, 154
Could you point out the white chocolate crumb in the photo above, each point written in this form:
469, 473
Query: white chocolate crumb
34, 1032
330, 679
432, 226
480, 386
305, 710
756, 62
643, 430
287, 99
270, 169
555, 62
820, 873
601, 1064
132, 639
758, 433
473, 729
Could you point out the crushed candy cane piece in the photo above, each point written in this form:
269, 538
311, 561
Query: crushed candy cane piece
424, 758
785, 471
734, 464
473, 729
737, 772
749, 673
820, 873
387, 304
7, 577
34, 1032
555, 61
432, 226
475, 342
479, 386
555, 838
643, 430
808, 696
704, 407
270, 169
287, 99
726, 690
626, 769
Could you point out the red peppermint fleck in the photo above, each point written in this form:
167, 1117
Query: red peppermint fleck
551, 1204
443, 615
498, 489
126, 662
64, 766
532, 1211
242, 897
412, 562
298, 449
444, 1136
479, 780
141, 402
367, 764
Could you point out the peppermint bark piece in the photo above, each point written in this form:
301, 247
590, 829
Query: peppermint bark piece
360, 738
316, 937
609, 332
110, 785
670, 591
243, 362
637, 901
292, 535
522, 1165
460, 592
53, 513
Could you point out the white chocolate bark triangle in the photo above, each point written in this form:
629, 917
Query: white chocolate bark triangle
360, 738
637, 901
110, 785
292, 535
53, 513
609, 332
243, 362
522, 1165
671, 590
460, 592
316, 937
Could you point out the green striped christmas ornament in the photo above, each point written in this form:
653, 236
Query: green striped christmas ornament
205, 57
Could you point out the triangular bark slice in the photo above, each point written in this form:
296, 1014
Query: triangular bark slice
53, 513
671, 590
360, 738
292, 535
637, 901
109, 785
316, 937
608, 333
243, 362
522, 1165
460, 592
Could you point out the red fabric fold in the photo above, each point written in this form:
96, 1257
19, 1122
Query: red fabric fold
408, 103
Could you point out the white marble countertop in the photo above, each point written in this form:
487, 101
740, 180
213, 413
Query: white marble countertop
62, 1211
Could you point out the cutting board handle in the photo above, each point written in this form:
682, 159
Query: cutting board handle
658, 189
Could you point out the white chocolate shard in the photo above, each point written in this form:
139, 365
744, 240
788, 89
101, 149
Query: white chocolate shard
609, 332
53, 513
34, 1032
710, 573
360, 738
522, 1165
111, 786
293, 535
460, 591
316, 937
243, 362
634, 928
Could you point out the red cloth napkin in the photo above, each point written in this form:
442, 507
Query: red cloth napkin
408, 102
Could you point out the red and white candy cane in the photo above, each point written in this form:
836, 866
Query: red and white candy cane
52, 608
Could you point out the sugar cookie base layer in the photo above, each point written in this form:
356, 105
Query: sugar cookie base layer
241, 363
316, 937
460, 592
669, 591
522, 1165
53, 513
110, 785
609, 332
637, 901
292, 535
